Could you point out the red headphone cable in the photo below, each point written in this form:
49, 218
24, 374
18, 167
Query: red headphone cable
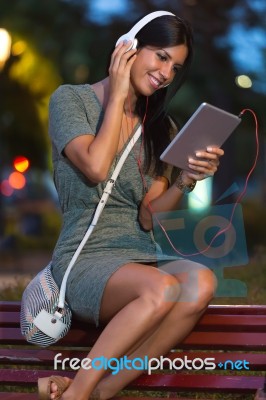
239, 198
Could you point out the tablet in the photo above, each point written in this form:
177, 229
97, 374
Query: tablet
208, 126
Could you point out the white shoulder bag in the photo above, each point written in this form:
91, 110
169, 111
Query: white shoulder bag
45, 316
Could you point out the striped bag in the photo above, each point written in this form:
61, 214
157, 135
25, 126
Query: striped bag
42, 322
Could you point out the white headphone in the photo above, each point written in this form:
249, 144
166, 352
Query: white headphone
139, 25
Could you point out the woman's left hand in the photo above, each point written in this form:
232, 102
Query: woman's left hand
205, 164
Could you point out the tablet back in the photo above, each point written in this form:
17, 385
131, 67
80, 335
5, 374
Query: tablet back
208, 126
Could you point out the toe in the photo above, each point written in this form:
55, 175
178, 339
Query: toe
54, 388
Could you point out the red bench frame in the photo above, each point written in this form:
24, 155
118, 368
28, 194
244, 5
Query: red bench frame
224, 332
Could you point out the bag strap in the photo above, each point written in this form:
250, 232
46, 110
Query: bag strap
106, 193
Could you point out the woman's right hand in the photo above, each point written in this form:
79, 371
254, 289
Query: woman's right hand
119, 70
94, 155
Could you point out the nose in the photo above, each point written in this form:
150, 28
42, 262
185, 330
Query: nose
165, 71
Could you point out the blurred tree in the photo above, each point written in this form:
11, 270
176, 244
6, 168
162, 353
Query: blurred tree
49, 46
58, 29
20, 126
55, 42
212, 78
69, 47
214, 73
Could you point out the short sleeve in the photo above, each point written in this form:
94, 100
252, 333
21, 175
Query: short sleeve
67, 117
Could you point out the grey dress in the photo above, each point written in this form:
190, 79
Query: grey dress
118, 237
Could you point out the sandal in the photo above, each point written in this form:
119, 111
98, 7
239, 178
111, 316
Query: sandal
95, 395
44, 387
260, 394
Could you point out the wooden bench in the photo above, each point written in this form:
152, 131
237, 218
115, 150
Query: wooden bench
224, 332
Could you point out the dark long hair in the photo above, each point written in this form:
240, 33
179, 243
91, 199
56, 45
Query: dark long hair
164, 31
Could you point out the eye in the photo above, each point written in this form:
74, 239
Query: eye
177, 69
162, 57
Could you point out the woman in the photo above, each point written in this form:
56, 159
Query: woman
115, 280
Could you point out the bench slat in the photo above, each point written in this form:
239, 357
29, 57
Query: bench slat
227, 340
256, 323
208, 322
154, 382
241, 309
18, 396
34, 396
9, 305
205, 383
196, 340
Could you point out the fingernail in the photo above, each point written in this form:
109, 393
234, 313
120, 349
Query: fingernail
198, 154
209, 148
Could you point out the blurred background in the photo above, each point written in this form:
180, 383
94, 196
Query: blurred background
45, 44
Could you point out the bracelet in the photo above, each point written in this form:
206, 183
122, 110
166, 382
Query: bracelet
182, 186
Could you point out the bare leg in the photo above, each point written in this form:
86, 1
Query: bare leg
134, 301
173, 329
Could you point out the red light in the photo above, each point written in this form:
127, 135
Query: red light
21, 163
6, 189
17, 180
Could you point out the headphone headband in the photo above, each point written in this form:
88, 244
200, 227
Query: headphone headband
139, 25
145, 20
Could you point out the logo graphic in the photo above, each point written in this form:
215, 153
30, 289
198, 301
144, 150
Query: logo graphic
213, 236
115, 365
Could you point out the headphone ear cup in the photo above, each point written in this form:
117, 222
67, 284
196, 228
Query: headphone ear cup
135, 43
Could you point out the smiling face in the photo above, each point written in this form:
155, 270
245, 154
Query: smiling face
156, 67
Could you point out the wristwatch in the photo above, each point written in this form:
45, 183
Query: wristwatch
182, 186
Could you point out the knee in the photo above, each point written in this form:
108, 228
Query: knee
162, 295
207, 288
202, 292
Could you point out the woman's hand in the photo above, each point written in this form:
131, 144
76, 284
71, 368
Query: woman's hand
204, 165
119, 70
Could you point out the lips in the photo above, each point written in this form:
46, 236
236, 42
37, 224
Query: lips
154, 82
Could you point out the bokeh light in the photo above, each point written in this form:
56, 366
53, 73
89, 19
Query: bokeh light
5, 45
6, 189
243, 81
21, 163
17, 180
19, 47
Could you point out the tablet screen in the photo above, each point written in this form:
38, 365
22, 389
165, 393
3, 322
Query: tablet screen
208, 126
